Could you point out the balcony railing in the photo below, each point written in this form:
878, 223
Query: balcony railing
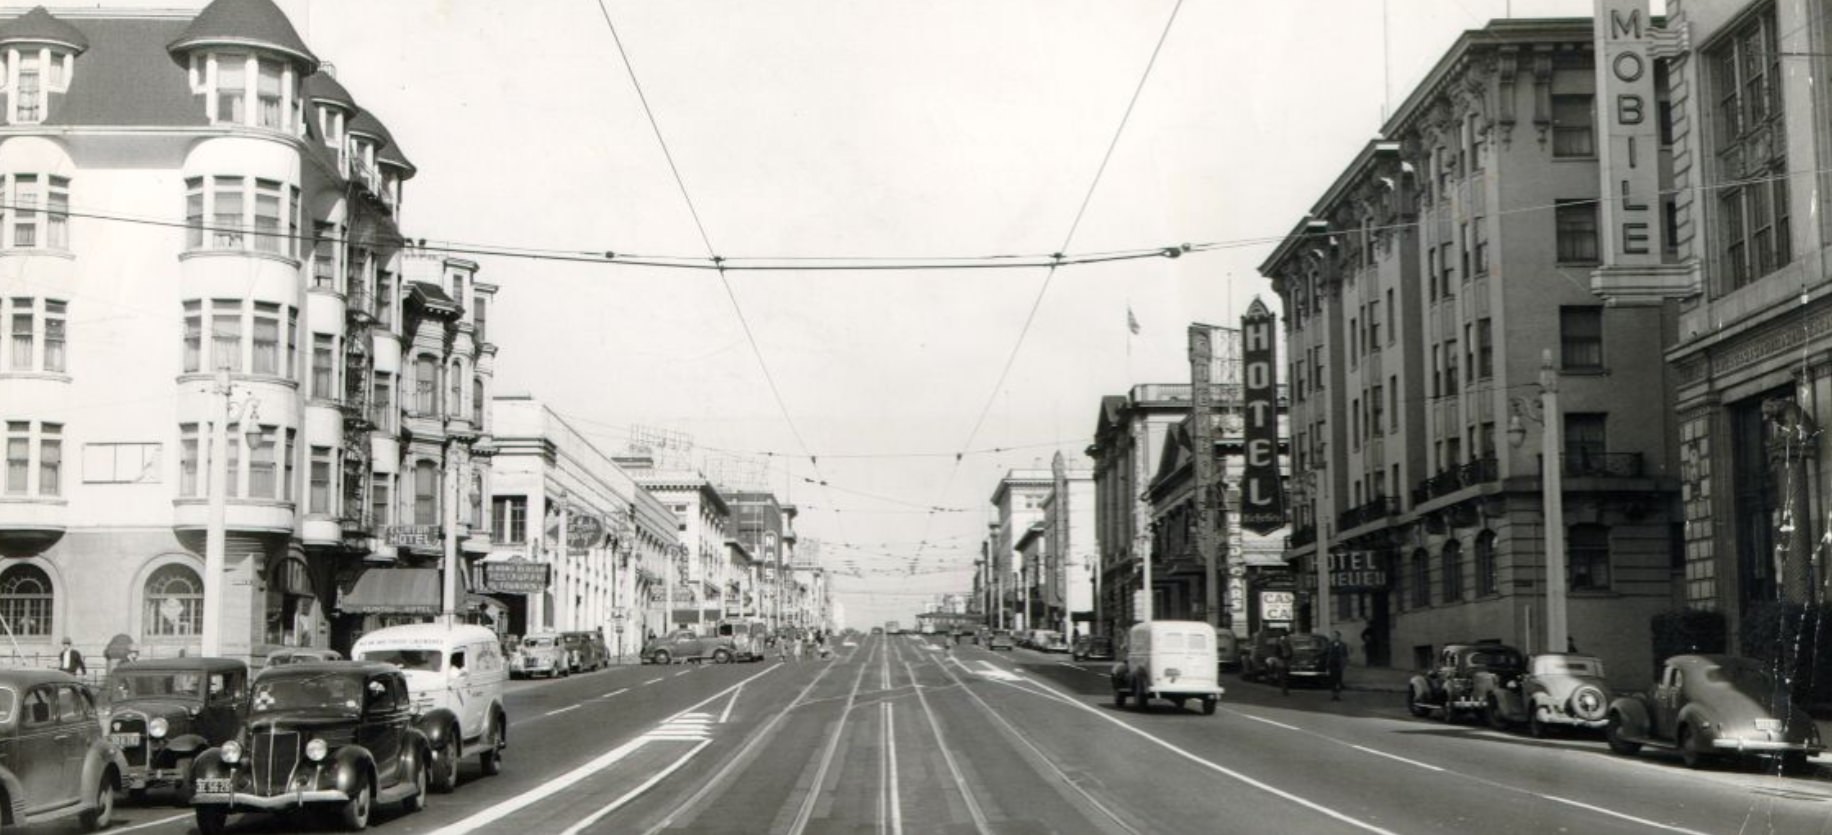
1600, 464
1479, 471
1303, 536
1375, 510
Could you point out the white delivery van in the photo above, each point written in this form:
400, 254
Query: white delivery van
1167, 659
455, 675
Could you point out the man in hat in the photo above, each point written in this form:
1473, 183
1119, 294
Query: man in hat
71, 661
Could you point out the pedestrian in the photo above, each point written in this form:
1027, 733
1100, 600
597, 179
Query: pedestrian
1338, 658
1367, 643
1571, 645
795, 647
71, 661
1285, 665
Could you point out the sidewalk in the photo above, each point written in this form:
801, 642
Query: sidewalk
1377, 679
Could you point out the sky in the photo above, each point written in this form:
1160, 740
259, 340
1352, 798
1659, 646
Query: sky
868, 130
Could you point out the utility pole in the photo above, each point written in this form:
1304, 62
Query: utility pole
454, 493
216, 523
1552, 484
1202, 451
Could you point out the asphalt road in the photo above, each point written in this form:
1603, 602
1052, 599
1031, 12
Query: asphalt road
898, 735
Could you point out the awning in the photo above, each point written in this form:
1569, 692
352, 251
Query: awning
398, 591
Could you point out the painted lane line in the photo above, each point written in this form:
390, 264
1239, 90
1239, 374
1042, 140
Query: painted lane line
947, 755
1376, 753
891, 787
1614, 814
1214, 766
560, 783
683, 672
742, 757
806, 812
562, 710
727, 713
1271, 722
650, 681
150, 824
635, 792
1075, 666
615, 693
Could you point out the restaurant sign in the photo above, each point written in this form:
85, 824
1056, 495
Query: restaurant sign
515, 577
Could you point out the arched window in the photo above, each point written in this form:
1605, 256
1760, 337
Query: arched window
25, 601
174, 602
1588, 550
1488, 576
1452, 571
1421, 579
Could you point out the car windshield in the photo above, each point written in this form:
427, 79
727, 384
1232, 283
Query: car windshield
185, 685
1496, 659
1744, 676
1306, 642
339, 692
536, 643
430, 660
1553, 665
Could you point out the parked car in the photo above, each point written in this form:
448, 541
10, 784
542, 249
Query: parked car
1000, 639
1168, 659
1709, 705
1452, 686
585, 651
1558, 689
540, 654
295, 655
336, 735
1262, 648
162, 713
750, 637
455, 677
1227, 649
54, 760
1303, 658
1092, 648
1049, 640
684, 645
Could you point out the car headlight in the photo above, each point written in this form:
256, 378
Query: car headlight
158, 727
316, 749
232, 752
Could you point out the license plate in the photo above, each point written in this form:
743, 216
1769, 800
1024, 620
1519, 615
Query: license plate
213, 785
1768, 724
1173, 672
125, 740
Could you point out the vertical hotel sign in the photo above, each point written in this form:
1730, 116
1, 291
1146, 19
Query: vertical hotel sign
1262, 492
1630, 151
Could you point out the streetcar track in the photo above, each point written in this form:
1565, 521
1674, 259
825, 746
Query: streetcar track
947, 754
806, 811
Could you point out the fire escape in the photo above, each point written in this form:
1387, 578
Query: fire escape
359, 365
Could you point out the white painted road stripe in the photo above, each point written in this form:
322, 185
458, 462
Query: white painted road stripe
1395, 757
650, 681
556, 785
635, 792
727, 714
562, 710
151, 823
615, 693
1271, 722
683, 672
1614, 814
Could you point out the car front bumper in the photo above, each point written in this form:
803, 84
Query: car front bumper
140, 778
269, 803
1764, 746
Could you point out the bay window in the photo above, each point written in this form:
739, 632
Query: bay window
323, 354
187, 460
18, 457
426, 385
1753, 212
28, 106
227, 217
226, 334
25, 211
262, 465
267, 222
266, 338
426, 493
268, 88
320, 494
231, 88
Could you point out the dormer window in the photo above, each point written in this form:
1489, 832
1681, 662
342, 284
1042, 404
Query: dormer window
231, 88
268, 88
234, 78
30, 107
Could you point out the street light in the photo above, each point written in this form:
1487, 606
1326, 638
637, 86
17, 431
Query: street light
216, 522
1552, 494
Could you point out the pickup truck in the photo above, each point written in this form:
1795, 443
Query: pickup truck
684, 645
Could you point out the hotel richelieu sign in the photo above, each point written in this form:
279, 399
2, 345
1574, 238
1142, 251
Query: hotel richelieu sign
1262, 489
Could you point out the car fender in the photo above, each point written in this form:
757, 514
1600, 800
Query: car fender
440, 725
209, 764
186, 744
1419, 687
1704, 725
100, 758
350, 765
1632, 717
15, 794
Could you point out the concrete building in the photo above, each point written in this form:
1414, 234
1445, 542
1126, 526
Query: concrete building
1751, 133
765, 528
578, 544
700, 589
1071, 552
1017, 505
287, 274
1420, 294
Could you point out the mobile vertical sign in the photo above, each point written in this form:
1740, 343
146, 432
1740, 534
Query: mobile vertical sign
1629, 155
1262, 490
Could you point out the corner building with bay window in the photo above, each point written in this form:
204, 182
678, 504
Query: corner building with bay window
194, 192
1419, 295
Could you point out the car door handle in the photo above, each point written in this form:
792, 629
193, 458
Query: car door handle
60, 737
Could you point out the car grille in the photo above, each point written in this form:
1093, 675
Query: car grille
131, 723
273, 756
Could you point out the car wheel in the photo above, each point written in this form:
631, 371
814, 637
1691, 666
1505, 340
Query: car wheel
355, 811
1688, 752
492, 757
1208, 706
99, 817
212, 820
1491, 712
1415, 705
661, 656
1612, 733
1538, 729
445, 766
1119, 696
1139, 699
417, 802
721, 657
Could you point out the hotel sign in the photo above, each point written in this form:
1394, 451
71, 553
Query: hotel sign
1352, 571
1629, 153
412, 536
1262, 499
